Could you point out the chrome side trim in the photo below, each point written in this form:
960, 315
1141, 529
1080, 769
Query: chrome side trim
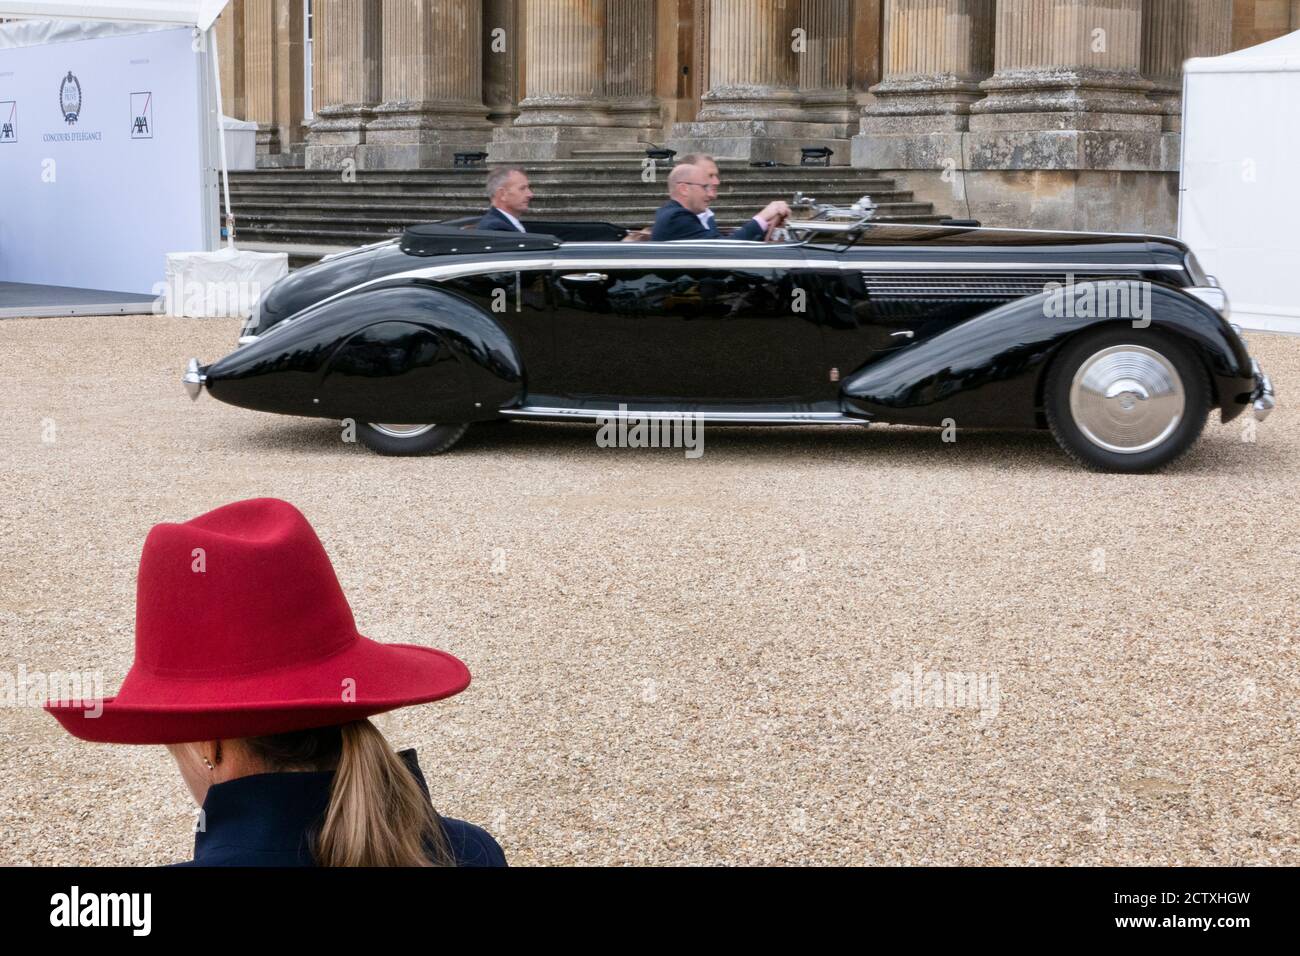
348, 252
712, 418
1084, 267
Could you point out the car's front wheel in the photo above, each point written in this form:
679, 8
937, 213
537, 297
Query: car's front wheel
409, 439
1127, 400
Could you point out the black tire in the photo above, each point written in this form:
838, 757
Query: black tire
1170, 440
433, 441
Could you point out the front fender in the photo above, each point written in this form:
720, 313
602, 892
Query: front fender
987, 371
401, 354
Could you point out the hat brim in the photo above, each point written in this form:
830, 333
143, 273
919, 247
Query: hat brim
368, 678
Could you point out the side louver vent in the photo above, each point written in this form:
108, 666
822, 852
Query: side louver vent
973, 285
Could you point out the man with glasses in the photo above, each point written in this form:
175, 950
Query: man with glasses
689, 193
710, 167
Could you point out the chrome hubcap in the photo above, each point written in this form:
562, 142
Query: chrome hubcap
402, 431
1127, 399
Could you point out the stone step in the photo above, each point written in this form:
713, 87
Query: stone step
649, 193
612, 169
477, 183
624, 216
299, 234
614, 187
610, 152
308, 208
468, 205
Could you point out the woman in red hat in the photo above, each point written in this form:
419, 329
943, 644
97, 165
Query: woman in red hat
249, 667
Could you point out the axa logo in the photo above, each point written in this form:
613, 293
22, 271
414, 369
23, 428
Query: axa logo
70, 98
8, 121
142, 115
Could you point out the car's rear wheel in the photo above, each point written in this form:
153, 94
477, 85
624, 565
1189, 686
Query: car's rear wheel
1127, 400
409, 439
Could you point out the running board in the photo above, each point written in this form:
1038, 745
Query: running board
710, 418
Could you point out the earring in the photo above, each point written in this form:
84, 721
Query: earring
209, 763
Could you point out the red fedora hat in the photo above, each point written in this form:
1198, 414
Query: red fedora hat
242, 630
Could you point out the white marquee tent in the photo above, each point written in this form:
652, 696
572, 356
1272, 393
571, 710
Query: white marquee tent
199, 13
1239, 205
136, 199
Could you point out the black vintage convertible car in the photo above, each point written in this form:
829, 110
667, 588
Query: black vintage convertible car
1119, 344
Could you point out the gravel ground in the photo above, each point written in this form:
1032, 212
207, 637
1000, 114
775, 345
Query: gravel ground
696, 661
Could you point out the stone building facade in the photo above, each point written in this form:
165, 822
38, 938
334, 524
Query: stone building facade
1056, 113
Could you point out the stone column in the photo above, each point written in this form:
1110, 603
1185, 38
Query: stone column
347, 74
230, 51
1068, 65
752, 108
936, 53
865, 53
1067, 135
1173, 32
565, 113
290, 83
629, 71
825, 72
565, 64
1258, 21
502, 46
260, 79
432, 86
753, 73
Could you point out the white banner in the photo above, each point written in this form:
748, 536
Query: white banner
103, 159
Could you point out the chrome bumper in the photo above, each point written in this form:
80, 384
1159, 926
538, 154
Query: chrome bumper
193, 379
1262, 399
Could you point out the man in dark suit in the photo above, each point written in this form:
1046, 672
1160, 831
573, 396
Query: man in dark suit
508, 190
690, 192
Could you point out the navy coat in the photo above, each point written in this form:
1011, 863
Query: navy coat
675, 221
493, 219
266, 819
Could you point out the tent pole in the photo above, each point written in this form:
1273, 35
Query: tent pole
221, 138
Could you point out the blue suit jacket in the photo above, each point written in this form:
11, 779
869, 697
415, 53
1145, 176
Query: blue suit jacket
493, 219
675, 221
267, 819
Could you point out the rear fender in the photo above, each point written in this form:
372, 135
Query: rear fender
399, 354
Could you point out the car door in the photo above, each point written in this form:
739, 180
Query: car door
519, 300
683, 332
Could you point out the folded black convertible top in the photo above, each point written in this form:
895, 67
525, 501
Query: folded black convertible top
438, 239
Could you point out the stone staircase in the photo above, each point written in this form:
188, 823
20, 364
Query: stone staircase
309, 212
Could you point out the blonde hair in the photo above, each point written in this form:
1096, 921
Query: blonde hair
378, 814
